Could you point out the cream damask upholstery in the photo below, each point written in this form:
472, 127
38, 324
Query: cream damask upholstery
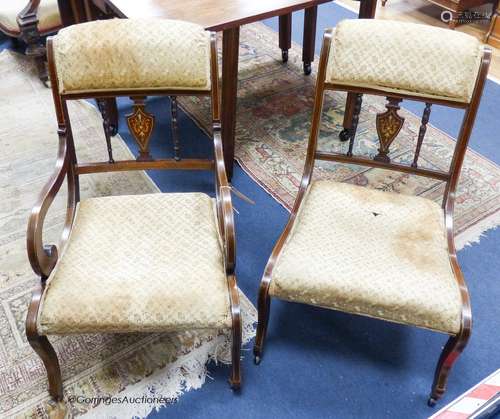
139, 264
372, 253
404, 57
48, 15
126, 54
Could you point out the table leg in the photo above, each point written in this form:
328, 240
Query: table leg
308, 45
71, 12
111, 115
367, 10
285, 23
230, 50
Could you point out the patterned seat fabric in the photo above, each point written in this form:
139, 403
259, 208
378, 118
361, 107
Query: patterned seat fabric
48, 15
131, 54
373, 253
403, 57
139, 264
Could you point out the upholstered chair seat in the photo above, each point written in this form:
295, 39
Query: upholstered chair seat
132, 54
370, 252
139, 263
48, 15
404, 58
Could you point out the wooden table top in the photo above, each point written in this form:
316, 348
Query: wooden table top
215, 15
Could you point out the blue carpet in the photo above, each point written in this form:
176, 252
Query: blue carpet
321, 363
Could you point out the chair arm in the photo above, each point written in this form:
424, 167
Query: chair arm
43, 258
224, 205
450, 236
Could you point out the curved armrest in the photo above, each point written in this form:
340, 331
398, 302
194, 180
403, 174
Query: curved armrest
43, 258
450, 236
224, 205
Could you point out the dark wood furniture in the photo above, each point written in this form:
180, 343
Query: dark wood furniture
388, 125
217, 15
458, 8
30, 32
43, 257
492, 37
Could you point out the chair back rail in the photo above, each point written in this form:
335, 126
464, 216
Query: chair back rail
389, 124
140, 123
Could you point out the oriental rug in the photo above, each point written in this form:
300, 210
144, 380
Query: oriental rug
275, 103
150, 370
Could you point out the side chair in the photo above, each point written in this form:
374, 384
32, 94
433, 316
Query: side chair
30, 20
369, 252
140, 263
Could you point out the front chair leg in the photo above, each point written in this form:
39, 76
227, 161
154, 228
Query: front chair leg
235, 379
449, 355
46, 352
264, 305
42, 346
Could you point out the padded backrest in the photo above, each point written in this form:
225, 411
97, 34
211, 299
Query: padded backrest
400, 57
129, 54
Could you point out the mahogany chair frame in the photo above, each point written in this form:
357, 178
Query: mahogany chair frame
43, 258
456, 343
27, 19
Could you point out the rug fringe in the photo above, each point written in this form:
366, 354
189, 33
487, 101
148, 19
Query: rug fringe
188, 372
472, 235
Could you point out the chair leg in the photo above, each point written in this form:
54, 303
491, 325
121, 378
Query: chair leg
41, 67
36, 50
235, 379
264, 305
449, 355
46, 352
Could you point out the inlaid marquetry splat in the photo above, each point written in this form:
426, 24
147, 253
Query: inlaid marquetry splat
140, 124
389, 123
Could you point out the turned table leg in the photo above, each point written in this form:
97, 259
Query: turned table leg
285, 23
308, 44
230, 49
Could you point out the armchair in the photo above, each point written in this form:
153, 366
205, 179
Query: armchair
158, 262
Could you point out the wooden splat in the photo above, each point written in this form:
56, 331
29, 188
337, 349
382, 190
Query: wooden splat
389, 123
140, 124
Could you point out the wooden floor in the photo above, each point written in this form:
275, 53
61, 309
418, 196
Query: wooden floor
422, 11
